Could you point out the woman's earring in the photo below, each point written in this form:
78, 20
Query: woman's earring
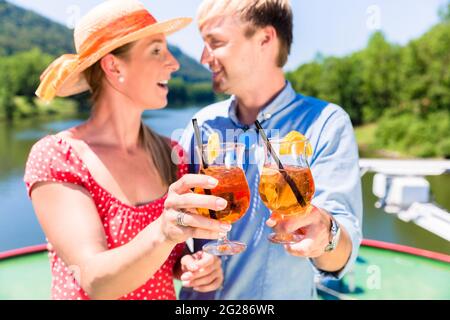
121, 79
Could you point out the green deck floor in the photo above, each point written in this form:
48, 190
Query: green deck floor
378, 274
26, 277
383, 274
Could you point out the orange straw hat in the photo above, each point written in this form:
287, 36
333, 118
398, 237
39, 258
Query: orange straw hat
105, 28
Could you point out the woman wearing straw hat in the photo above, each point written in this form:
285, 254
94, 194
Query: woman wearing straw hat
106, 192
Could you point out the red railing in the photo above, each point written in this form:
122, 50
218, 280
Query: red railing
366, 242
405, 249
22, 251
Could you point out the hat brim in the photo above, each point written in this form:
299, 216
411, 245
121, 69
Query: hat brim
76, 83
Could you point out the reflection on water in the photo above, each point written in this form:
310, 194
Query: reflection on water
19, 226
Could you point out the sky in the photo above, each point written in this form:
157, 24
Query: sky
331, 27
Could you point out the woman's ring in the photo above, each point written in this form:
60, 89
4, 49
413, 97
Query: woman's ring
180, 219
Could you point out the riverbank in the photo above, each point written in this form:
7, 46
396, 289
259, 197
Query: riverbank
23, 107
366, 138
367, 145
37, 110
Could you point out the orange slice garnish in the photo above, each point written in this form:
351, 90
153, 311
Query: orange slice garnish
295, 136
212, 149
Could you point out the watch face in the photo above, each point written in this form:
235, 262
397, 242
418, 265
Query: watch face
333, 226
334, 233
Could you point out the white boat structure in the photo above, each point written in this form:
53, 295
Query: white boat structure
402, 189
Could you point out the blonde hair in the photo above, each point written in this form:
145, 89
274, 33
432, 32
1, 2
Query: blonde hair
259, 13
157, 147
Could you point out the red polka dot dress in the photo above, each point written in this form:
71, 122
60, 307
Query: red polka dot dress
53, 159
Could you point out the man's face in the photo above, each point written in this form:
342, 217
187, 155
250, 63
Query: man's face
232, 58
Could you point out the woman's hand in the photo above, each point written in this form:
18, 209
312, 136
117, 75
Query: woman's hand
180, 205
201, 271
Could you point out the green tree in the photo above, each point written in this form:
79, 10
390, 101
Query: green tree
425, 71
380, 61
20, 77
26, 70
341, 83
337, 80
178, 93
21, 30
6, 103
306, 79
415, 134
200, 93
444, 12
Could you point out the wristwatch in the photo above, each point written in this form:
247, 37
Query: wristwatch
335, 231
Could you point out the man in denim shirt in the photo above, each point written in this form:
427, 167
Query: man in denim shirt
246, 45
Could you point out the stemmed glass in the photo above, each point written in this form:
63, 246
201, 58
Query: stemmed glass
224, 162
286, 186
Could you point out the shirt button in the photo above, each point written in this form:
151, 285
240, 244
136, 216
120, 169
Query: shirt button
267, 116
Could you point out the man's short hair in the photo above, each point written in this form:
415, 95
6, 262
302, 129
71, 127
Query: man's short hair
259, 14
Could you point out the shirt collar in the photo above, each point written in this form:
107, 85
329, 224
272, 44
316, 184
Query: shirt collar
284, 98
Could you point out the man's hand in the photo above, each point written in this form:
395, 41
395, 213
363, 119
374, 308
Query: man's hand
201, 271
314, 226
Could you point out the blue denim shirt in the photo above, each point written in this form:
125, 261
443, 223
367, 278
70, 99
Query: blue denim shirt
265, 270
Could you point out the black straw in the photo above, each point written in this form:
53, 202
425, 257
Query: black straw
212, 213
285, 175
199, 142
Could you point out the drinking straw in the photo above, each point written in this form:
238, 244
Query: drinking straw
199, 142
283, 172
212, 213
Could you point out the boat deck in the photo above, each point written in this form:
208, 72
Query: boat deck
379, 273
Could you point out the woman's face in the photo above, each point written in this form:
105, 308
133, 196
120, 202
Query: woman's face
147, 71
